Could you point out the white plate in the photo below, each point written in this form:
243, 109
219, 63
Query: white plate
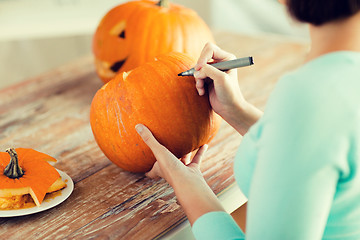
46, 204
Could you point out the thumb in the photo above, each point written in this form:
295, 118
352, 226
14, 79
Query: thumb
199, 154
163, 156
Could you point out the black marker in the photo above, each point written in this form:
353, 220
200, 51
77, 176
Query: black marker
224, 66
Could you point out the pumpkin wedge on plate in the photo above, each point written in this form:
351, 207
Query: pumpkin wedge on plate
26, 176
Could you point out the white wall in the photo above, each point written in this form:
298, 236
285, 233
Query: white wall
254, 17
38, 35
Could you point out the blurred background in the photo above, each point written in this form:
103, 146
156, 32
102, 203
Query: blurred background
39, 35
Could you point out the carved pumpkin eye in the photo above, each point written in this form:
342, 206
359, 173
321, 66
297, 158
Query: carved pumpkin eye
119, 29
122, 34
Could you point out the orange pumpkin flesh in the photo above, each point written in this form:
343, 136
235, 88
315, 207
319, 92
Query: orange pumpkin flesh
33, 174
167, 104
137, 31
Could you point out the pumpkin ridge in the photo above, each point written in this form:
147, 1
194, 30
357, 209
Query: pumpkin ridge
165, 97
143, 31
148, 93
187, 96
167, 67
113, 85
167, 39
213, 120
144, 118
176, 41
154, 38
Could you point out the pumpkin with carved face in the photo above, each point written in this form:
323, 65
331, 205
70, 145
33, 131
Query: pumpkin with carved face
137, 31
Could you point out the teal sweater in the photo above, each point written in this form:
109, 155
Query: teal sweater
299, 165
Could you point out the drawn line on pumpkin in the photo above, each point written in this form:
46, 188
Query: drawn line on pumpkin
119, 117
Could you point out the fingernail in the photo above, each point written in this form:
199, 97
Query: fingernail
139, 128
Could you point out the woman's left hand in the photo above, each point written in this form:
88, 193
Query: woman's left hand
168, 165
191, 189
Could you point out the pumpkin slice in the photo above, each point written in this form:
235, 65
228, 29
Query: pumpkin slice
9, 192
56, 186
27, 171
17, 198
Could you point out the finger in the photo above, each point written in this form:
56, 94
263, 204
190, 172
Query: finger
161, 153
186, 159
200, 83
149, 139
153, 173
199, 154
211, 51
209, 71
200, 86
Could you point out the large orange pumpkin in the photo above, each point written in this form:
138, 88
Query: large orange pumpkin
151, 94
137, 31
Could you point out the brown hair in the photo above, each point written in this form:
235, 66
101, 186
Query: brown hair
318, 12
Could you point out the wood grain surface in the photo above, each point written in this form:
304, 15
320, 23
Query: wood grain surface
50, 113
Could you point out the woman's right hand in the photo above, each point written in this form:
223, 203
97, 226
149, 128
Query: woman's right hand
223, 88
225, 96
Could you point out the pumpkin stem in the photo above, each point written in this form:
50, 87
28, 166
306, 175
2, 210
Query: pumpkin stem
13, 169
163, 3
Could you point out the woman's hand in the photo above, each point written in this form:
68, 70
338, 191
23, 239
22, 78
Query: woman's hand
167, 165
191, 189
223, 87
225, 96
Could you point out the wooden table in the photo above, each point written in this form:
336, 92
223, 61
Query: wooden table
50, 113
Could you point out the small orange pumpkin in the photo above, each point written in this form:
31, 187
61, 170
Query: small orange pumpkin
154, 95
137, 31
27, 171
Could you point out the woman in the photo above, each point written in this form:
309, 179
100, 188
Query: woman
298, 163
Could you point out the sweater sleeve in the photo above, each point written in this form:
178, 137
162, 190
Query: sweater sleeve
216, 226
301, 153
294, 163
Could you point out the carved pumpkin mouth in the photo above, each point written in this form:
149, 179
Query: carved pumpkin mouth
107, 70
117, 65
